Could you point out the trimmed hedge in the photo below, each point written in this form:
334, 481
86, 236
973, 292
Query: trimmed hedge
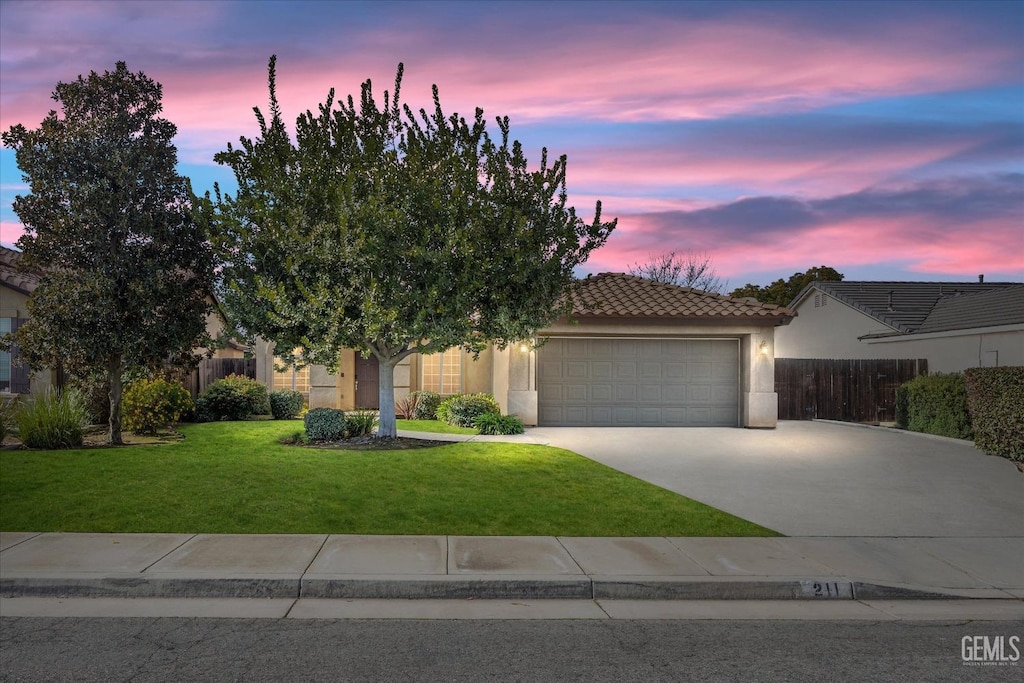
233, 398
934, 404
426, 405
286, 404
462, 410
995, 398
325, 424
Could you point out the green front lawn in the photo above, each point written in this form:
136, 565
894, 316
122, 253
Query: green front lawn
432, 426
234, 477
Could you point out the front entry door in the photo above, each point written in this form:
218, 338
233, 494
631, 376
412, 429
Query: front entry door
367, 382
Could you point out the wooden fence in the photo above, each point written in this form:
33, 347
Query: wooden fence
212, 369
851, 390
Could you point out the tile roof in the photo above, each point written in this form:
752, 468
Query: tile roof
21, 281
617, 295
993, 308
903, 306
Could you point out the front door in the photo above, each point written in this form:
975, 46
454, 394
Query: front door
367, 382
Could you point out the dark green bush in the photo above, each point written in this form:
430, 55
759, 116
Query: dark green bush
286, 404
937, 404
360, 422
495, 423
153, 404
233, 398
903, 406
7, 410
55, 419
462, 409
325, 424
426, 405
995, 398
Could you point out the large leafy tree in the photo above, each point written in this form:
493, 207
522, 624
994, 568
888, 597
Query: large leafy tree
689, 269
393, 232
783, 291
128, 270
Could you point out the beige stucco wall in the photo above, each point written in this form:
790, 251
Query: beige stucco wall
834, 331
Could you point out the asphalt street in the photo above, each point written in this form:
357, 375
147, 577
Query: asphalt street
168, 649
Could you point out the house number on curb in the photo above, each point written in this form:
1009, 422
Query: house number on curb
826, 589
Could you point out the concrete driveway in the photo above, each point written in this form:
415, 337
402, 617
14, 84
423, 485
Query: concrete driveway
819, 479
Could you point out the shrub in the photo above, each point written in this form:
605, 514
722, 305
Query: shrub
360, 422
405, 407
7, 408
937, 404
426, 405
55, 419
285, 404
496, 423
153, 404
462, 409
325, 424
233, 398
995, 398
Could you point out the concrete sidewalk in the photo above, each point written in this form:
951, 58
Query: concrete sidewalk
509, 568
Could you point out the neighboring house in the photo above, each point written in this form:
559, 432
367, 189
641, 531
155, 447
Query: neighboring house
954, 325
15, 287
638, 353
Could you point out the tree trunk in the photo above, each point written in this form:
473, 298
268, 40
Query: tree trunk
388, 427
114, 375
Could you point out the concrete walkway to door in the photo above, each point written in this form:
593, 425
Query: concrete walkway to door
819, 479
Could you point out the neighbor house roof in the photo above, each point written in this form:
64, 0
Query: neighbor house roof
907, 306
20, 281
617, 295
994, 308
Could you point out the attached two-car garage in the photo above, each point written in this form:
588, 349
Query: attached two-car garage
621, 382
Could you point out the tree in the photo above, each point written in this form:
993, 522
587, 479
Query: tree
127, 269
394, 233
687, 270
782, 292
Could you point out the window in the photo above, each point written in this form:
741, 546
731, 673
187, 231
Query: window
295, 379
5, 358
442, 372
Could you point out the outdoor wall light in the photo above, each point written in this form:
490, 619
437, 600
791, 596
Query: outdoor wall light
523, 347
764, 348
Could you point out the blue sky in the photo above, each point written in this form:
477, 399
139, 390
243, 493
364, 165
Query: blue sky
885, 139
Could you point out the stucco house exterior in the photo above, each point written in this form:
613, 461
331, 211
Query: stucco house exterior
15, 287
636, 353
954, 325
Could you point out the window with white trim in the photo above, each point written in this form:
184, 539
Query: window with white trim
290, 377
442, 372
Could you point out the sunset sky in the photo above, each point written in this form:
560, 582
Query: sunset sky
884, 139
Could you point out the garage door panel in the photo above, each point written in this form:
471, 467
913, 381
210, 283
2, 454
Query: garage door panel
644, 382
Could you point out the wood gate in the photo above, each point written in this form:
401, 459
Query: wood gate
849, 390
212, 369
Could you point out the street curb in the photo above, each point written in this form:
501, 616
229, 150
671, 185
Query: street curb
467, 587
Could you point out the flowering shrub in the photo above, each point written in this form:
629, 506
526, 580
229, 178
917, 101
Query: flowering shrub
153, 404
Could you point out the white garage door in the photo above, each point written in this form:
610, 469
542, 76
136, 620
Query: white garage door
639, 382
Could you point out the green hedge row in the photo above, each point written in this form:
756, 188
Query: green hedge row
934, 404
995, 398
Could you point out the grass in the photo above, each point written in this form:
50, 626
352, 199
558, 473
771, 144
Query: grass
233, 477
433, 427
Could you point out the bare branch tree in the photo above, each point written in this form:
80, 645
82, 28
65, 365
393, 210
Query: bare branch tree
691, 269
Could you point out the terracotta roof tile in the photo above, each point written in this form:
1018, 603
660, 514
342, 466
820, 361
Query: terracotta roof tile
621, 295
21, 281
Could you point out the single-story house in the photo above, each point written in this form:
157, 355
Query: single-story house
636, 353
954, 325
15, 287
